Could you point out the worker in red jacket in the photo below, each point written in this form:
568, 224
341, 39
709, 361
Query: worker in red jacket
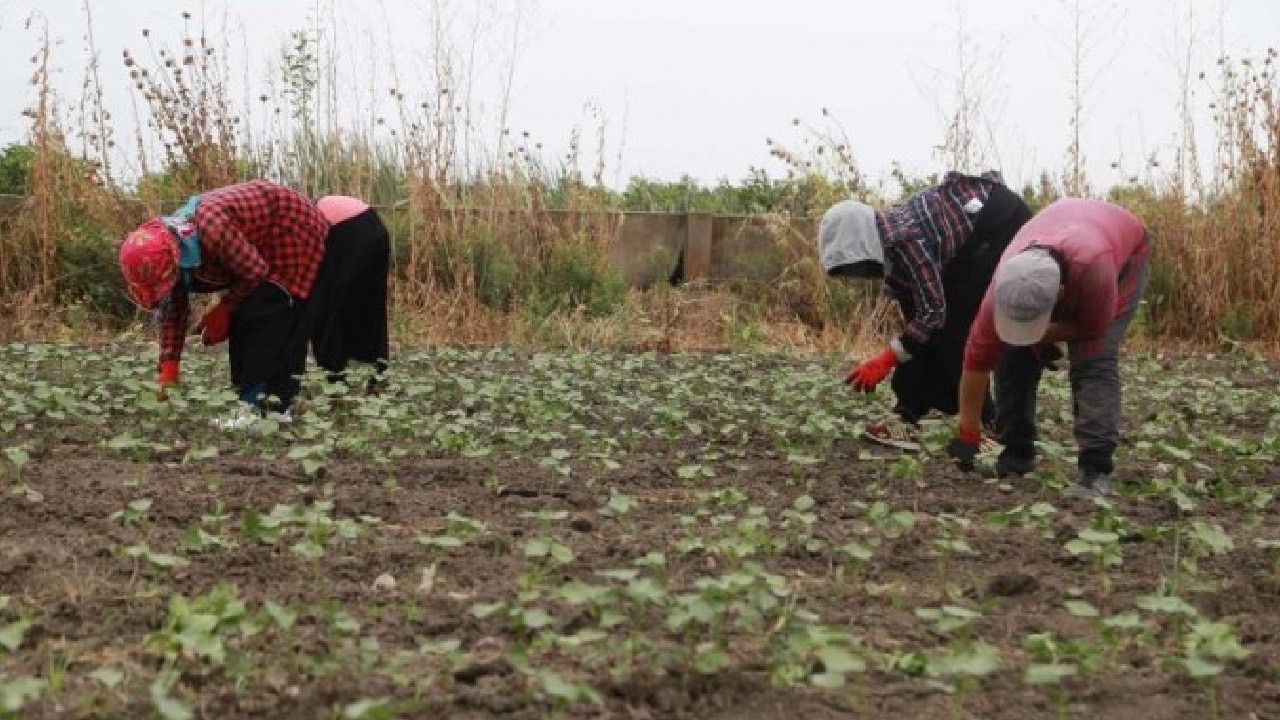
1075, 273
261, 245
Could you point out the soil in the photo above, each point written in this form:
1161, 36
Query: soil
62, 559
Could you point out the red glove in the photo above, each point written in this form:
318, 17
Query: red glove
215, 326
969, 433
872, 372
169, 370
963, 448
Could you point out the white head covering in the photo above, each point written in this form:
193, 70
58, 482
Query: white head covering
848, 235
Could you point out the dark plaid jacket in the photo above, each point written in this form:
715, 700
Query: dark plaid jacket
920, 236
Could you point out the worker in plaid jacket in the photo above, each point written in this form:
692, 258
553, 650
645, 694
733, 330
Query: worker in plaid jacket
936, 252
261, 245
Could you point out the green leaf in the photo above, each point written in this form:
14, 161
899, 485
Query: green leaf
562, 554
124, 441
1198, 667
620, 504
1212, 537
537, 548
195, 538
625, 575
535, 618
1124, 621
485, 610
646, 590
377, 709
11, 635
688, 472
441, 541
978, 660
1098, 537
17, 693
169, 707
165, 560
441, 647
579, 593
282, 616
18, 456
653, 559
1080, 608
1048, 674
840, 661
583, 637
1166, 604
308, 548
827, 681
107, 677
558, 687
956, 611
857, 551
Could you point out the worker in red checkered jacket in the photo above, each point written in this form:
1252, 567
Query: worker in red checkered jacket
261, 245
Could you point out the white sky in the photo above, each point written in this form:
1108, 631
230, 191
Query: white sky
696, 86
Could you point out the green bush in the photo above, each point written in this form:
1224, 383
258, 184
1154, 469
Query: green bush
494, 270
91, 276
15, 163
576, 274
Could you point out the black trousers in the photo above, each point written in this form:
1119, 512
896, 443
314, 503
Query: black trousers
930, 380
268, 343
349, 301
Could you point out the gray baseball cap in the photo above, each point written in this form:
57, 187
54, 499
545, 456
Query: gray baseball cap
1027, 287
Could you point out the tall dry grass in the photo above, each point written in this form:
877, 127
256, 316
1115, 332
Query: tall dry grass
1216, 269
512, 246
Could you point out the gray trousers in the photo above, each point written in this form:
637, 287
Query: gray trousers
1095, 393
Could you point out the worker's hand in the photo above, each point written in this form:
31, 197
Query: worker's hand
169, 371
872, 372
963, 448
1047, 354
215, 326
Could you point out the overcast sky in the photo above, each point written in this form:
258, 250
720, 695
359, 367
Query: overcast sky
697, 86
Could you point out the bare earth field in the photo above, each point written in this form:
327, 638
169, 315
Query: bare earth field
510, 535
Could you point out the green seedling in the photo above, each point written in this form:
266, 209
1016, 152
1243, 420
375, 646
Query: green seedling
1207, 648
1102, 549
797, 524
135, 513
950, 543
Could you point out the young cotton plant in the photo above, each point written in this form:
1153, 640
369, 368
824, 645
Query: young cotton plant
949, 544
1102, 550
1207, 648
545, 552
797, 525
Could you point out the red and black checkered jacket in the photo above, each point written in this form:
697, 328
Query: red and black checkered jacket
249, 233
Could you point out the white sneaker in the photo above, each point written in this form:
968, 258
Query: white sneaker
242, 417
247, 417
